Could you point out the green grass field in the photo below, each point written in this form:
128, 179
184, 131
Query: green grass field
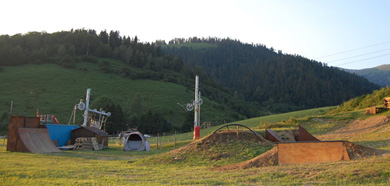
115, 167
55, 90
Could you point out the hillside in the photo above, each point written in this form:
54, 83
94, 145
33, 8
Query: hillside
39, 67
277, 81
55, 90
364, 101
379, 75
141, 80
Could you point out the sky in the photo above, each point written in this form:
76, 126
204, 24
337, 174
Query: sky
353, 34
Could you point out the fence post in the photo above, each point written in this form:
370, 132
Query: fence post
157, 140
174, 139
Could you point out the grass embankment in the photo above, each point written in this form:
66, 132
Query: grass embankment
116, 167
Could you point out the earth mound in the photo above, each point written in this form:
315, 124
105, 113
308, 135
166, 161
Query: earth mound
270, 158
220, 148
356, 151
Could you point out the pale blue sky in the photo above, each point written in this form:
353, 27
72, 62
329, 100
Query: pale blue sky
358, 31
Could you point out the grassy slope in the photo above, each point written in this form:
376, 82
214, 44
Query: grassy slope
116, 167
55, 90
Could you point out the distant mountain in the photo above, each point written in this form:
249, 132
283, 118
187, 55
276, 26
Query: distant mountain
276, 81
379, 75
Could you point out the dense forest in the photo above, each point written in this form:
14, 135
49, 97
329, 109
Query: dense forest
66, 48
277, 81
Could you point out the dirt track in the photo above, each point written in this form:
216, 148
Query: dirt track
358, 127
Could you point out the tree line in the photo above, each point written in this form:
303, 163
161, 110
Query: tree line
67, 47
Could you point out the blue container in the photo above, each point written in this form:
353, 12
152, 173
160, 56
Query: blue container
61, 133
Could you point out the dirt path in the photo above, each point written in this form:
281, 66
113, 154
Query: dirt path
358, 127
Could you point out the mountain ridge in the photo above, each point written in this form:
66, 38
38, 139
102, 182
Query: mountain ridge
379, 75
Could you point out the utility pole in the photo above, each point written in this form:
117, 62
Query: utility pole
197, 109
195, 105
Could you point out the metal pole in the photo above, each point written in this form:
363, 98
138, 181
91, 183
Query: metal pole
10, 110
86, 107
196, 109
74, 114
196, 121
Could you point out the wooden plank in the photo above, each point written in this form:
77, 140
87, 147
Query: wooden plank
95, 144
67, 147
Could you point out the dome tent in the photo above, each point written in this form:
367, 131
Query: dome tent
135, 141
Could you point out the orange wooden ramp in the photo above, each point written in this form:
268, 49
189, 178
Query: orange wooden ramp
311, 152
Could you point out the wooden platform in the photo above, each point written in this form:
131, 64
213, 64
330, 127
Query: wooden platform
67, 147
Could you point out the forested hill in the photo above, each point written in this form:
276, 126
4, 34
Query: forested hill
277, 81
379, 75
85, 52
256, 77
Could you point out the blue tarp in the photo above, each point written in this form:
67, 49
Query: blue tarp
61, 133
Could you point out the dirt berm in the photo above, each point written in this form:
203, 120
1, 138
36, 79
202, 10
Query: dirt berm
218, 148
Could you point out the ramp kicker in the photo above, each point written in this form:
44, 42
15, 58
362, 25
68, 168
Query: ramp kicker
37, 140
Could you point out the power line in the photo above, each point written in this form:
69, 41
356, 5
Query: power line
357, 56
352, 50
362, 60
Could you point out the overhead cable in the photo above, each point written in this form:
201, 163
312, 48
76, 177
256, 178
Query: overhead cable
362, 60
352, 50
357, 56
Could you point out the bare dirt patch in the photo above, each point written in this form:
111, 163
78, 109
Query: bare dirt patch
357, 127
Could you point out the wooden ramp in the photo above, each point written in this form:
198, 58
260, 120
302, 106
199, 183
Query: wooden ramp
36, 140
312, 152
25, 135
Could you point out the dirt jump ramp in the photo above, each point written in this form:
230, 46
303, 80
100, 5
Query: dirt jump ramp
26, 135
307, 153
36, 140
311, 152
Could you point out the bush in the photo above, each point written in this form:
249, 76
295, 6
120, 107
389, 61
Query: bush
89, 59
68, 62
